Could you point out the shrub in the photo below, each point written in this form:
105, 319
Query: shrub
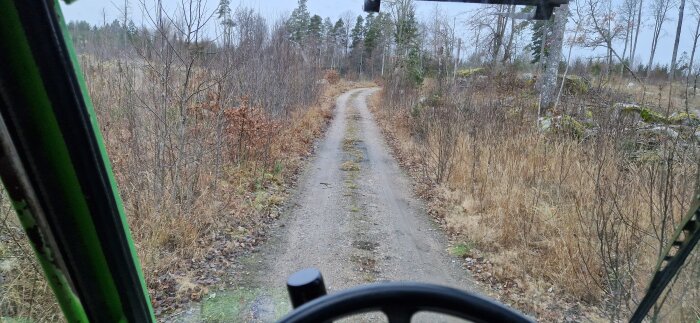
332, 76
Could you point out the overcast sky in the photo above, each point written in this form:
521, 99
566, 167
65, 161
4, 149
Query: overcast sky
94, 12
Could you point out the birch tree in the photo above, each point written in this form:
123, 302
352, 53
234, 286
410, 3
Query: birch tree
696, 36
629, 17
551, 70
633, 54
659, 12
679, 28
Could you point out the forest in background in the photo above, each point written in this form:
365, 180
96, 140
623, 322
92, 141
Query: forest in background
560, 176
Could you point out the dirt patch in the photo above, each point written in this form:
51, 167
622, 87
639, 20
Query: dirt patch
365, 245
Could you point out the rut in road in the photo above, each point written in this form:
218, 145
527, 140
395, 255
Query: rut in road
353, 216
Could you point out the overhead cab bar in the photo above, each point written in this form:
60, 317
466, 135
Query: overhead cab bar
544, 8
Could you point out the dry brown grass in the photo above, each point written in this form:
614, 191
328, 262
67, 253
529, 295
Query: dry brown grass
23, 291
183, 255
563, 223
189, 229
657, 93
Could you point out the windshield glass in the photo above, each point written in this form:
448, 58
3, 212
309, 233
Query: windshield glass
544, 159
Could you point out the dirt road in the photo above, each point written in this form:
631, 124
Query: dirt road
353, 217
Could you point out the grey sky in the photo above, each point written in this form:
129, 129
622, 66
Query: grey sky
94, 11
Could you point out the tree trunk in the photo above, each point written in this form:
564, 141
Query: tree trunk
498, 36
651, 54
661, 8
508, 52
629, 32
696, 35
549, 79
636, 34
679, 27
459, 48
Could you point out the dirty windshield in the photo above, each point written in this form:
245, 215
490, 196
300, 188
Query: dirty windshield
542, 157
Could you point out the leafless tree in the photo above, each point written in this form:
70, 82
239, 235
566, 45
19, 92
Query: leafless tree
696, 34
636, 32
349, 19
659, 12
600, 28
679, 28
629, 19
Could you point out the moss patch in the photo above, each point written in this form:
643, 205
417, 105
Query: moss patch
575, 84
461, 249
468, 72
236, 305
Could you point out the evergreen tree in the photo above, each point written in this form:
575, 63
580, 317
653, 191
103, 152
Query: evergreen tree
406, 32
358, 33
538, 31
372, 34
224, 10
406, 38
327, 29
315, 30
298, 23
132, 30
339, 34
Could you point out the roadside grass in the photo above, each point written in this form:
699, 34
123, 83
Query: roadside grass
24, 294
461, 250
545, 213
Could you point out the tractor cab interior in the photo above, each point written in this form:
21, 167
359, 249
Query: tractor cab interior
54, 165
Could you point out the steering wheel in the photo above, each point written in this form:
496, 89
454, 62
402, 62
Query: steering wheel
400, 301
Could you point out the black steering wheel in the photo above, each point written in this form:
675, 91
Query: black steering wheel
400, 301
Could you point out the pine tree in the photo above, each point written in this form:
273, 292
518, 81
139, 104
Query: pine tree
224, 14
538, 31
372, 33
339, 34
406, 37
406, 28
224, 10
298, 23
315, 30
358, 33
327, 29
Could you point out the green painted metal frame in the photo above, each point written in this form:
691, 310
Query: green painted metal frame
54, 165
684, 240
